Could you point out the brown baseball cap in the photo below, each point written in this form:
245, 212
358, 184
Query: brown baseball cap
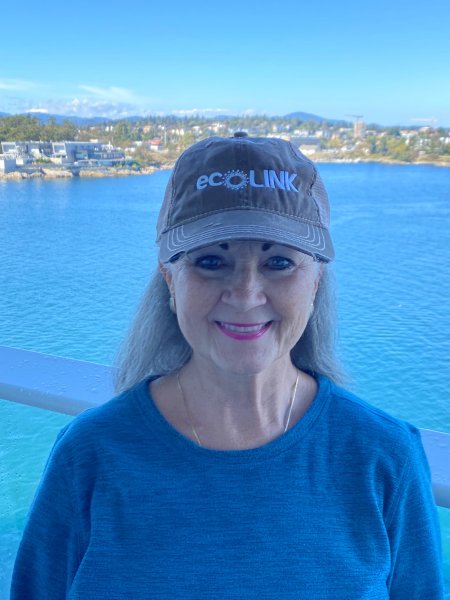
244, 188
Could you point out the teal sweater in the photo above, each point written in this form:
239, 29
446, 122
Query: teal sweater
338, 508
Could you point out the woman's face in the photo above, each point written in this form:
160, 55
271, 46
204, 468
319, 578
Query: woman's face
242, 306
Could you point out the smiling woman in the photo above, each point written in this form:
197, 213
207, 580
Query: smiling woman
242, 306
246, 291
231, 464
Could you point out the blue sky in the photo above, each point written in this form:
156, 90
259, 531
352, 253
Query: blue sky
386, 60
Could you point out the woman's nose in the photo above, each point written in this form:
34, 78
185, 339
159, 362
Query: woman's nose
245, 290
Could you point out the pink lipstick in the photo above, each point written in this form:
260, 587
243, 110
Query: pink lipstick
243, 331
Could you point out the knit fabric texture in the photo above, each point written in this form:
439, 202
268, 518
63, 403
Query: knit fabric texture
337, 508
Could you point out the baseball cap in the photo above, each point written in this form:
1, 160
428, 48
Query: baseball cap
244, 188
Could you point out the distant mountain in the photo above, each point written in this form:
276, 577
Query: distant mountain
132, 118
302, 116
45, 117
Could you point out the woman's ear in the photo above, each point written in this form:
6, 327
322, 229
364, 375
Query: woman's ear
166, 273
318, 276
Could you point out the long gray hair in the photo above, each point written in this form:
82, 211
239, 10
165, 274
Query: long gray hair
156, 346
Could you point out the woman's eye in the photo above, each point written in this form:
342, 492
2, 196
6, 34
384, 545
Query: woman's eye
210, 262
279, 263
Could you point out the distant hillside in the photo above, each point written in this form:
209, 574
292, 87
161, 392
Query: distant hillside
44, 118
302, 116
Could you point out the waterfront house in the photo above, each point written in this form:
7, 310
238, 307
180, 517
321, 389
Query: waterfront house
155, 145
307, 144
25, 152
73, 152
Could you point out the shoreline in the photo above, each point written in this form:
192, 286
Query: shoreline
101, 172
384, 161
82, 173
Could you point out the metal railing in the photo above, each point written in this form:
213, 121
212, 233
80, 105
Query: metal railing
70, 386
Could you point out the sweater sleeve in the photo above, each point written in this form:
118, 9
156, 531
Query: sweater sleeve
413, 529
49, 551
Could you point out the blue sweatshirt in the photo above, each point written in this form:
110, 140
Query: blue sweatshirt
339, 508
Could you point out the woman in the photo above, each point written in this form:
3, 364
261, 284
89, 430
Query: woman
232, 465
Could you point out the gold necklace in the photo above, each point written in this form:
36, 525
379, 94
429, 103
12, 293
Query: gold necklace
291, 404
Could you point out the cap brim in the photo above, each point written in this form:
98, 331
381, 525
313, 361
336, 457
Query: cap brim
249, 224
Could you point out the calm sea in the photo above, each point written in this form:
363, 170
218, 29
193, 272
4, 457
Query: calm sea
75, 256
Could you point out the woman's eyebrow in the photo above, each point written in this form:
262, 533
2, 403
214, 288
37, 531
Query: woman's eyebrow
266, 246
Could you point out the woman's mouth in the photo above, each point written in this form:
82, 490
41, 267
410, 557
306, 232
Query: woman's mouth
243, 331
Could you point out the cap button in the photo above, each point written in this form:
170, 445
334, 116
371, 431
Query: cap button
240, 134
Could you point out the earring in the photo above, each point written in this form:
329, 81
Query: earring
172, 305
311, 310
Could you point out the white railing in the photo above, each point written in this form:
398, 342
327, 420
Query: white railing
70, 386
59, 384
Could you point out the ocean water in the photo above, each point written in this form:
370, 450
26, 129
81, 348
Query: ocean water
76, 254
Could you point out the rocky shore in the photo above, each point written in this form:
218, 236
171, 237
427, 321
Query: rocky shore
95, 172
381, 161
88, 172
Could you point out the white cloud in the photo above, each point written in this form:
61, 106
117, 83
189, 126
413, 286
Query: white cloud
79, 107
18, 96
187, 112
16, 85
112, 93
84, 100
211, 112
249, 112
84, 107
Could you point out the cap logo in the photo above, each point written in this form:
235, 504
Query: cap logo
236, 180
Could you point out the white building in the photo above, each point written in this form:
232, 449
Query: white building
307, 144
71, 152
25, 151
7, 163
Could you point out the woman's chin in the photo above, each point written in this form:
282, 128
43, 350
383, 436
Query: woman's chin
244, 363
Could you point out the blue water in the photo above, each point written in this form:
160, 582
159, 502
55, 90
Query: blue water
75, 256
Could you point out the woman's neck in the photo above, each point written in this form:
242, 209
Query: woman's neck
236, 411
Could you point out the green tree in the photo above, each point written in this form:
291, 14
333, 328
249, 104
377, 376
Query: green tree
19, 128
398, 149
121, 133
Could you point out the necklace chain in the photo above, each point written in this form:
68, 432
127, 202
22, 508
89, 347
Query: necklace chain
187, 410
191, 422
